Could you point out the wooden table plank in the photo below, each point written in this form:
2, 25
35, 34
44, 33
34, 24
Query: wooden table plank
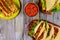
42, 16
4, 29
8, 32
50, 18
57, 18
11, 30
28, 19
19, 24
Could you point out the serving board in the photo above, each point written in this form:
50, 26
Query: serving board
54, 18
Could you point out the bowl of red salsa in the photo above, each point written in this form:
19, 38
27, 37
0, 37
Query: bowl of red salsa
31, 9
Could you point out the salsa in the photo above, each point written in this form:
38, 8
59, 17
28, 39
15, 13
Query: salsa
31, 9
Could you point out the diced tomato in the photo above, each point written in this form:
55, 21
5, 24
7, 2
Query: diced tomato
31, 9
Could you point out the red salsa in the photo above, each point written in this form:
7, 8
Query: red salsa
31, 9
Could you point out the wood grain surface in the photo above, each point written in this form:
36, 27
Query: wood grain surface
12, 29
9, 30
54, 18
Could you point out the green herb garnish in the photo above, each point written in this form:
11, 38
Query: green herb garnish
46, 25
56, 8
31, 33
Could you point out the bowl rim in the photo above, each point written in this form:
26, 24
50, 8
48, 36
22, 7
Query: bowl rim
34, 4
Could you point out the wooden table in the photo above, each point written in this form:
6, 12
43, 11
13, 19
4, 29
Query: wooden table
54, 18
12, 28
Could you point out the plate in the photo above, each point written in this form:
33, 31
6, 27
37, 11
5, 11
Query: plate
17, 2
